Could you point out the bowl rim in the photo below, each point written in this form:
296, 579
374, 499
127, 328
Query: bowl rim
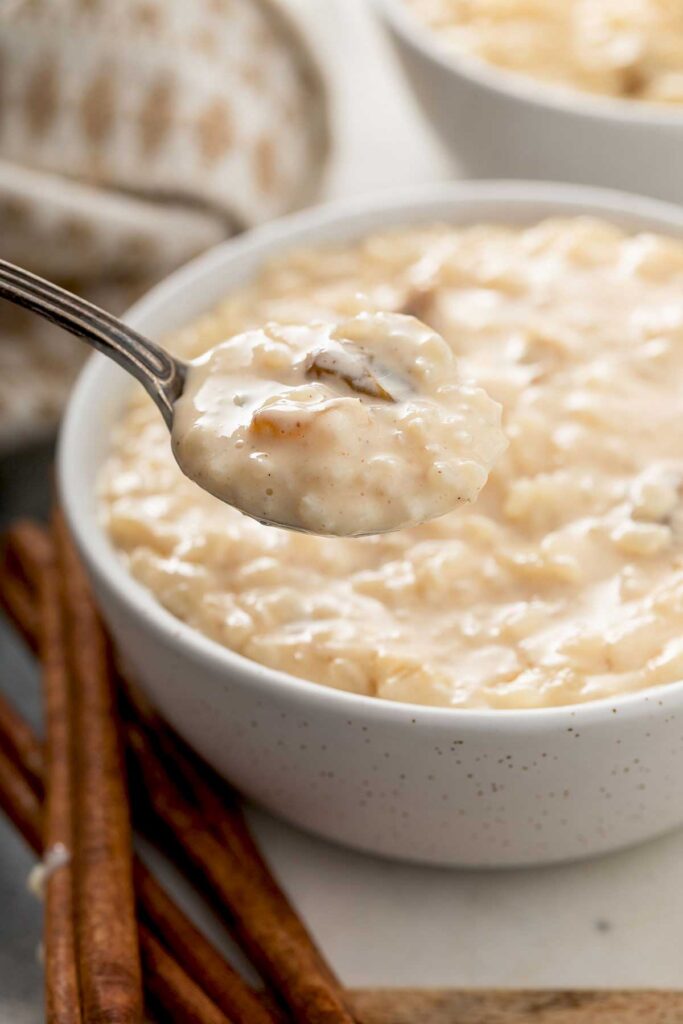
546, 96
105, 564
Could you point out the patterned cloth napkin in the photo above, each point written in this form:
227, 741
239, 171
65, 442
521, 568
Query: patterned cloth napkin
134, 134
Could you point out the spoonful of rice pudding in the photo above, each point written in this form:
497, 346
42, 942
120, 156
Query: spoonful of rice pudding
350, 428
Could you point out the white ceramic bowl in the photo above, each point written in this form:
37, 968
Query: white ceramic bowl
465, 787
500, 124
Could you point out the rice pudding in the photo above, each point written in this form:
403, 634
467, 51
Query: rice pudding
346, 428
563, 582
632, 49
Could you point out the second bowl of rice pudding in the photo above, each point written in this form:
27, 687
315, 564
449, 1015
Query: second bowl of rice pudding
589, 91
500, 685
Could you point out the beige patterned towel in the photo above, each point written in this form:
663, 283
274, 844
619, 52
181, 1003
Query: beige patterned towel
134, 134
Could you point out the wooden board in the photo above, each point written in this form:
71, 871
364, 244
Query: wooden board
445, 1006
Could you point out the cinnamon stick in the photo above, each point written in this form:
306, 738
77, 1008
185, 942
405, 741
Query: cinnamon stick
62, 975
24, 551
223, 815
179, 995
27, 550
28, 546
20, 744
20, 803
108, 949
18, 590
198, 956
285, 955
282, 960
18, 605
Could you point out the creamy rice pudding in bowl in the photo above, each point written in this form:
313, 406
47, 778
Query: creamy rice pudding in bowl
589, 91
500, 685
338, 427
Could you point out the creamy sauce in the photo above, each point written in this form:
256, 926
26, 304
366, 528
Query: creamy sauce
562, 583
351, 428
626, 48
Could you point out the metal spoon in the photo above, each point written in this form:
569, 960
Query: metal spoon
162, 375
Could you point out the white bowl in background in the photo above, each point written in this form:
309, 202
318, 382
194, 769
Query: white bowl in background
460, 787
501, 124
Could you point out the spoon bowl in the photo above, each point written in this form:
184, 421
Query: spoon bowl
348, 429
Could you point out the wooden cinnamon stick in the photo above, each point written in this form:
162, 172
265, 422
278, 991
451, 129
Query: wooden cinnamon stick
20, 803
223, 815
108, 948
20, 567
196, 954
27, 546
176, 992
200, 959
28, 550
23, 551
62, 974
20, 744
263, 919
18, 604
281, 959
181, 998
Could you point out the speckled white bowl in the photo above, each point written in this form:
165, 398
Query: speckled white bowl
475, 788
500, 124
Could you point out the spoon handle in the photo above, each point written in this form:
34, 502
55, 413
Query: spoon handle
159, 373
